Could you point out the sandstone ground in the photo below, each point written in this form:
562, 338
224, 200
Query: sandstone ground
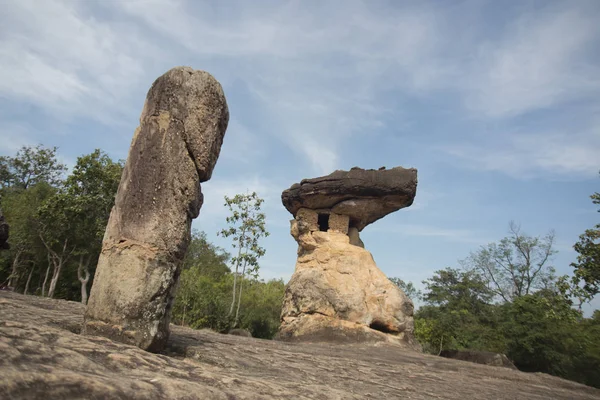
44, 356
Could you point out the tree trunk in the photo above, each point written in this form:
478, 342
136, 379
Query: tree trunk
83, 278
58, 261
237, 312
14, 276
28, 280
237, 266
46, 278
54, 280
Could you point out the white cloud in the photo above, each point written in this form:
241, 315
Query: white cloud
527, 155
315, 69
215, 190
241, 144
57, 56
320, 72
12, 137
542, 61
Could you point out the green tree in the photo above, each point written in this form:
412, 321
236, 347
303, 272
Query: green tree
408, 288
542, 334
587, 365
30, 166
517, 266
25, 180
209, 259
74, 219
27, 253
246, 228
587, 266
204, 286
262, 307
457, 313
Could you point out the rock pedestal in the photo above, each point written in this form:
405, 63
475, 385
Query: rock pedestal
337, 293
175, 148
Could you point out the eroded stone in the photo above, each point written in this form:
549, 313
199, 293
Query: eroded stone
337, 293
175, 148
363, 195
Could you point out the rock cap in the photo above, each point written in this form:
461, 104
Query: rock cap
364, 195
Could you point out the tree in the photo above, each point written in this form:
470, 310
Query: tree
74, 219
408, 288
247, 227
27, 252
457, 314
209, 259
543, 334
30, 166
587, 267
456, 289
26, 180
517, 266
262, 307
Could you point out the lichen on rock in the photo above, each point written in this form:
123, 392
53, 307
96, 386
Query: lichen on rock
175, 148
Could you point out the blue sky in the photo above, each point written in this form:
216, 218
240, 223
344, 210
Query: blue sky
497, 104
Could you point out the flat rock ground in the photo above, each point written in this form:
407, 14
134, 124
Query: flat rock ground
42, 355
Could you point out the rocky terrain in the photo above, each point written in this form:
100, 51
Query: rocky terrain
45, 357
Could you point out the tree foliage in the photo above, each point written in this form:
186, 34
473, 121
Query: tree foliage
56, 226
30, 166
204, 294
408, 288
516, 266
246, 228
587, 266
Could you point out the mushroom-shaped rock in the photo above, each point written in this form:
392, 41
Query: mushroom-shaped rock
337, 293
3, 233
175, 148
363, 195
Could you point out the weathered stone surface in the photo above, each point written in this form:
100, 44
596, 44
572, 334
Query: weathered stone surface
337, 293
3, 233
175, 148
479, 357
44, 358
240, 332
363, 195
355, 239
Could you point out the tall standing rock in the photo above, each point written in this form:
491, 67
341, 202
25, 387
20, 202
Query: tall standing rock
175, 148
337, 293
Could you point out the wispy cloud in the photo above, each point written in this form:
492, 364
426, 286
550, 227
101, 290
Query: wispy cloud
545, 59
57, 56
321, 73
526, 155
216, 189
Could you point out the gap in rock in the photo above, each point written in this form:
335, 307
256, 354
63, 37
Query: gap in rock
381, 327
323, 221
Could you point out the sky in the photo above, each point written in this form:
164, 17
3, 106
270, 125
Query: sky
497, 104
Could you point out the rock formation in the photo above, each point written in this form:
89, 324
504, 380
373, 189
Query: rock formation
479, 357
3, 233
175, 148
337, 292
44, 357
